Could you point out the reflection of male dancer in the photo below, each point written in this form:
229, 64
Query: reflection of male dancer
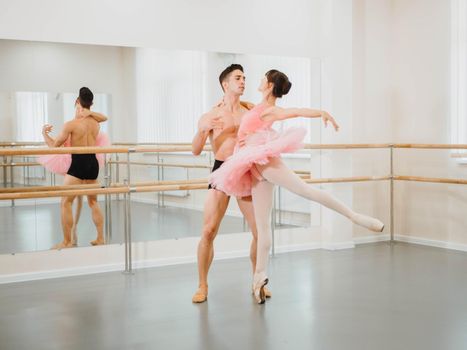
221, 126
82, 132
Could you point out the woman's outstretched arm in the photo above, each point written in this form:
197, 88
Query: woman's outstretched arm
278, 113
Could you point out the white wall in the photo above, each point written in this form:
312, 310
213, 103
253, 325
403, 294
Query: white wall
372, 115
420, 102
240, 26
401, 94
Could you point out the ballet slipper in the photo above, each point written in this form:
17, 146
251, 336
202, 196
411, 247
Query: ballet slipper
368, 222
200, 296
97, 242
62, 245
258, 291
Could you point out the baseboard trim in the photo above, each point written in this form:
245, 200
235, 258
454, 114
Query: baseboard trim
431, 242
372, 239
338, 245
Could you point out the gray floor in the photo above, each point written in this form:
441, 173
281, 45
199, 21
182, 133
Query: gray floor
376, 297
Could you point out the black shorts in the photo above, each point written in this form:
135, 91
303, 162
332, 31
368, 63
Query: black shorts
84, 166
217, 164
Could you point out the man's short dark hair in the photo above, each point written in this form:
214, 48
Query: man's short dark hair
85, 97
226, 72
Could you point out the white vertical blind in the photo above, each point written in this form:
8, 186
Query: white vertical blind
459, 71
31, 115
169, 94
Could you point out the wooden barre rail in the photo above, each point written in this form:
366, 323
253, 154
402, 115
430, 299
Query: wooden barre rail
430, 146
20, 164
347, 146
152, 144
61, 191
431, 179
93, 186
61, 150
21, 144
113, 185
348, 179
186, 148
170, 165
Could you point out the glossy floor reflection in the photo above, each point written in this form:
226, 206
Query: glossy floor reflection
375, 296
37, 227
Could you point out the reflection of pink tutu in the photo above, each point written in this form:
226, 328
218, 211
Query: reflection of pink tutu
234, 175
60, 163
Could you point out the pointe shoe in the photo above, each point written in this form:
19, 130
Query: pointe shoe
267, 292
199, 297
368, 222
258, 293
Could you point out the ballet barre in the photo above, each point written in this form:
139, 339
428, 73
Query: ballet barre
169, 165
127, 187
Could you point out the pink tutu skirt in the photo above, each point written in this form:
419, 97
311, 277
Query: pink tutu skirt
234, 177
60, 163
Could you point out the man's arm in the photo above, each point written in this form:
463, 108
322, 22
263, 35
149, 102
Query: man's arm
199, 141
206, 124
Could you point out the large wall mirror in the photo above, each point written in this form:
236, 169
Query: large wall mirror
151, 96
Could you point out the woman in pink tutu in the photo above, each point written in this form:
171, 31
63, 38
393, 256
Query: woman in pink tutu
256, 167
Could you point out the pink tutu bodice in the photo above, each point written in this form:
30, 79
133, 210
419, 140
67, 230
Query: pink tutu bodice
234, 177
60, 163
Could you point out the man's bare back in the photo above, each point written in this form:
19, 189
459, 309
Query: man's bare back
83, 131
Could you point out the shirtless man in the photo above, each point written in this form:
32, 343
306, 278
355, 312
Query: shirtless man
220, 125
84, 168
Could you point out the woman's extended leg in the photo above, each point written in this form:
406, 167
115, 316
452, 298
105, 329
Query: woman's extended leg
278, 173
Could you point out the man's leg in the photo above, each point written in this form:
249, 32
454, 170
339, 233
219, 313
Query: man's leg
79, 205
67, 214
214, 210
97, 216
246, 207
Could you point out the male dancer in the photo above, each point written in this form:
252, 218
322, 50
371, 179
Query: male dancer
84, 168
220, 125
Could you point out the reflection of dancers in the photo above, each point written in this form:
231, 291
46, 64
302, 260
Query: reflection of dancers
60, 163
82, 131
256, 167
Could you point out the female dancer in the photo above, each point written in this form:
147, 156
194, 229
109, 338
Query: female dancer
256, 167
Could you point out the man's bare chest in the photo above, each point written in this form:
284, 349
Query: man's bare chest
230, 119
